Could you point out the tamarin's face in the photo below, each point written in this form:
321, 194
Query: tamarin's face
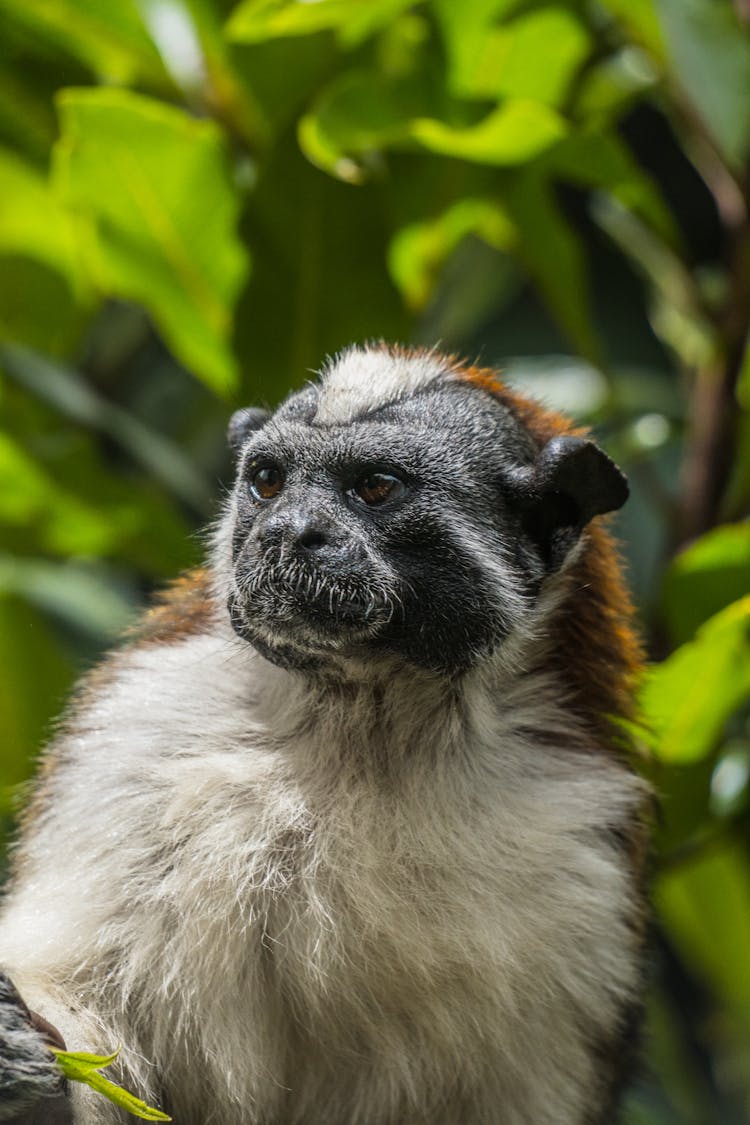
396, 508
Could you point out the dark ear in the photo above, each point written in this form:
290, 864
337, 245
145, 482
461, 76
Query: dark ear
243, 423
571, 482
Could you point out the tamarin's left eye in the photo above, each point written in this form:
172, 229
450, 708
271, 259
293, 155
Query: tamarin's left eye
375, 488
266, 482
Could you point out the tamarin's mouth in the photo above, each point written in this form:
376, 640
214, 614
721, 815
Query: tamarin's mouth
310, 608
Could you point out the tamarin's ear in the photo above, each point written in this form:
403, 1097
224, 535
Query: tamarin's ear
243, 423
571, 482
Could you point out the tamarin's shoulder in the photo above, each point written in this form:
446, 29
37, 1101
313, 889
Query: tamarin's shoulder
185, 608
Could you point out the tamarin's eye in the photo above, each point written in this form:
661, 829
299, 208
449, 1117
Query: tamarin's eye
266, 481
376, 488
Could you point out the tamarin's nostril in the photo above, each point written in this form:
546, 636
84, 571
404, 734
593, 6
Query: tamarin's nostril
312, 539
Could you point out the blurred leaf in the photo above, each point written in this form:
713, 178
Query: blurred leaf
190, 39
319, 277
32, 222
366, 111
156, 185
81, 595
552, 254
705, 906
514, 133
705, 578
678, 316
36, 676
598, 159
418, 251
535, 55
353, 20
688, 699
76, 399
709, 51
37, 305
640, 19
109, 37
69, 506
610, 87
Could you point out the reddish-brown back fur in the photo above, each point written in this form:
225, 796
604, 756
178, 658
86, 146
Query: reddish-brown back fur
596, 649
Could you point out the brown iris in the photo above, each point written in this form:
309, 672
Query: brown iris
375, 488
266, 482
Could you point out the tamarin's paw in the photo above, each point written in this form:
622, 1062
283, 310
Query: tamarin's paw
28, 1071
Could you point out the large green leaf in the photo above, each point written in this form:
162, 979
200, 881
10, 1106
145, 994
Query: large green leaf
709, 51
109, 37
32, 221
43, 297
706, 577
688, 699
155, 186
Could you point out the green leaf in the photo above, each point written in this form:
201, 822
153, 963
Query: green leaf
706, 577
709, 52
80, 1066
32, 222
552, 255
641, 22
365, 111
598, 159
82, 1061
256, 20
536, 55
418, 251
154, 185
705, 906
688, 699
514, 133
109, 37
36, 676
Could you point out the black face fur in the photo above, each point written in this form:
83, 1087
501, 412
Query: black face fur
469, 519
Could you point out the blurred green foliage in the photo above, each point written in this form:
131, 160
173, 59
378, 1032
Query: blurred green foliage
200, 199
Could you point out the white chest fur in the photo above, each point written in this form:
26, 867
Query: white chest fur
384, 909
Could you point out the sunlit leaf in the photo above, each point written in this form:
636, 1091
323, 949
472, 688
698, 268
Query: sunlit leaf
706, 577
364, 112
417, 252
353, 20
155, 184
535, 55
709, 52
109, 37
687, 699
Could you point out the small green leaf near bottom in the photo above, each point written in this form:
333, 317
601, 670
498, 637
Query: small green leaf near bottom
80, 1066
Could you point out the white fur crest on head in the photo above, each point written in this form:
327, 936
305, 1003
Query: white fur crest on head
364, 378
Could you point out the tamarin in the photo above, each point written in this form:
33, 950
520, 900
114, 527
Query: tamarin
344, 834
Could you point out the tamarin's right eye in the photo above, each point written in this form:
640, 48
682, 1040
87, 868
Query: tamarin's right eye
266, 482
